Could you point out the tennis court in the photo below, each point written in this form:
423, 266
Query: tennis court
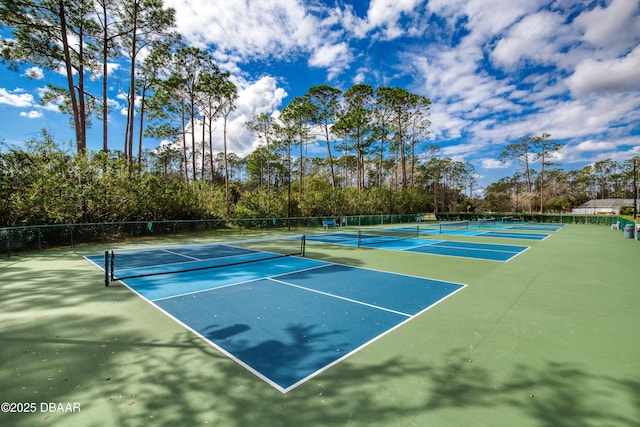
490, 229
515, 225
547, 228
507, 235
405, 239
549, 338
283, 317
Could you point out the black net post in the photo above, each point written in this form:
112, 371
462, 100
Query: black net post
106, 268
112, 257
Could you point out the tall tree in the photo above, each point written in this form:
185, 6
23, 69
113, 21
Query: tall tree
545, 149
603, 171
296, 116
108, 36
140, 23
522, 152
355, 124
211, 88
263, 125
326, 102
51, 33
404, 108
150, 75
227, 97
419, 125
168, 116
189, 64
382, 130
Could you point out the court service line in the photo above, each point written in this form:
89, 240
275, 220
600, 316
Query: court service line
454, 246
180, 255
340, 297
242, 282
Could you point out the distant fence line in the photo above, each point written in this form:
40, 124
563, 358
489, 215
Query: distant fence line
42, 237
544, 218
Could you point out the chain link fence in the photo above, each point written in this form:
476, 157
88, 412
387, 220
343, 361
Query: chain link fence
42, 237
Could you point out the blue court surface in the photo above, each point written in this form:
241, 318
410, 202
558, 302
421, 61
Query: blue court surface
518, 226
287, 319
483, 232
508, 235
484, 251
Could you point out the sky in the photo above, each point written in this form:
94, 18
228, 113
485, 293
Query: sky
494, 70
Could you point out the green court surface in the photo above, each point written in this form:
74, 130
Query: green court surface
550, 338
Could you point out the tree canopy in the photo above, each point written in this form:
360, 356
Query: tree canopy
379, 156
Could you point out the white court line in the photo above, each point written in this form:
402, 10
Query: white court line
339, 297
242, 282
180, 255
192, 260
265, 378
454, 246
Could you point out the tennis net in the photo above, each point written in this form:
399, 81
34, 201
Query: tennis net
452, 227
127, 264
486, 222
382, 236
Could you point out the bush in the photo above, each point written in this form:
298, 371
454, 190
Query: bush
626, 210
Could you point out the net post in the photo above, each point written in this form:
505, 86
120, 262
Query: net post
106, 269
303, 244
417, 231
113, 255
359, 238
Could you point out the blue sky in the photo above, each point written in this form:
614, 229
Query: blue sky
495, 70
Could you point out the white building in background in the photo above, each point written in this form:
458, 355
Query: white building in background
602, 206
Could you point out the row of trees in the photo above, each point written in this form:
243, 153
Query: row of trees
177, 93
557, 190
376, 139
83, 37
373, 138
40, 183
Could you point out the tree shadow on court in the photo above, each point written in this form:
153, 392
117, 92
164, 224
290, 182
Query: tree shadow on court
70, 359
172, 377
52, 280
65, 338
393, 391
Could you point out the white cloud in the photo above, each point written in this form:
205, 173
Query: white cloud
591, 145
476, 112
261, 96
384, 16
613, 75
249, 29
532, 38
112, 67
265, 30
33, 114
34, 73
494, 164
614, 27
488, 18
16, 98
335, 58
